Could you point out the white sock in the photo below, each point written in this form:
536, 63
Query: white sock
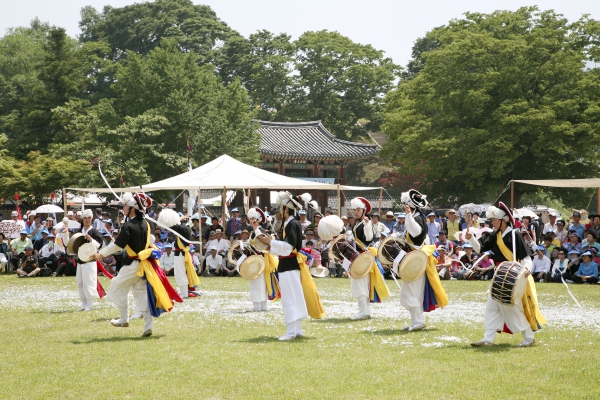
256, 306
124, 311
299, 327
527, 334
416, 316
263, 306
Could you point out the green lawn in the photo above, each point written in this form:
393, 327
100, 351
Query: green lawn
209, 348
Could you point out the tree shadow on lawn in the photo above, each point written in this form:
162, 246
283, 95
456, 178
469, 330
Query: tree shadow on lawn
53, 311
401, 331
273, 339
116, 339
335, 320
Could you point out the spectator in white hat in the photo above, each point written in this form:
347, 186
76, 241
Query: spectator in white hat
551, 226
389, 221
214, 261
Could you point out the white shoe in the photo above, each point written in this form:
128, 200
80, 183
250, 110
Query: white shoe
527, 343
482, 343
287, 336
416, 327
119, 324
147, 333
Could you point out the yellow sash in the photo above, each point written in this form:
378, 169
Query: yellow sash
311, 296
530, 302
193, 279
432, 273
162, 298
271, 263
377, 281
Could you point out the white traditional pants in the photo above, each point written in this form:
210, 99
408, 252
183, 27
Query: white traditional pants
361, 291
258, 293
411, 298
497, 314
119, 294
292, 301
87, 283
181, 275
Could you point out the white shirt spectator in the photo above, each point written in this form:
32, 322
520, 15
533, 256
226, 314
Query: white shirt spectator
219, 245
49, 249
380, 228
167, 261
98, 224
549, 227
541, 264
214, 262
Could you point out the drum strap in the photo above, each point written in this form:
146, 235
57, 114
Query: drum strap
505, 250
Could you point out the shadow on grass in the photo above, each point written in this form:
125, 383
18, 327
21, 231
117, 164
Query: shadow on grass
335, 320
54, 311
497, 348
274, 339
116, 339
402, 331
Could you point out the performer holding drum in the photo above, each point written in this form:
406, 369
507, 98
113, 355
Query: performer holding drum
366, 277
87, 270
512, 299
422, 290
183, 267
299, 296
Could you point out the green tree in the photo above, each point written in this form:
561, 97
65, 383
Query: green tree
60, 73
141, 27
264, 63
503, 96
339, 82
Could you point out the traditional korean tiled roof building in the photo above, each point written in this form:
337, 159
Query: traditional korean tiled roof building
308, 150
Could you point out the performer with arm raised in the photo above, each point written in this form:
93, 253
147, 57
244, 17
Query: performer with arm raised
295, 280
424, 293
523, 316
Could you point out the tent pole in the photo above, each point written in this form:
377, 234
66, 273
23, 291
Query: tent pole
65, 200
340, 202
223, 205
247, 205
512, 195
598, 205
380, 200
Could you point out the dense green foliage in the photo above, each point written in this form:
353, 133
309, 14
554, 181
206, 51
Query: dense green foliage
495, 97
144, 80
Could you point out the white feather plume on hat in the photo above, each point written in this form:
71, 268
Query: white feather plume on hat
168, 217
312, 204
306, 197
356, 203
330, 227
256, 213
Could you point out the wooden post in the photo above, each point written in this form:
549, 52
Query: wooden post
340, 201
224, 205
598, 205
247, 205
65, 200
380, 200
512, 195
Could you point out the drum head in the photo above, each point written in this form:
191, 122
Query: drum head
75, 242
362, 265
235, 246
413, 265
258, 245
86, 252
332, 254
381, 254
319, 272
252, 267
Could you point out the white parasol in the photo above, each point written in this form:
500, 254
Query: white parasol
470, 208
49, 208
524, 212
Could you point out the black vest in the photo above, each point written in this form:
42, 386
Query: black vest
293, 236
135, 234
420, 238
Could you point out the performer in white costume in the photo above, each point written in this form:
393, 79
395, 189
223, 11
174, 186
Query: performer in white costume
87, 272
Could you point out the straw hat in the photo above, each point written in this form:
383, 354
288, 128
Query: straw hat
319, 272
450, 211
413, 265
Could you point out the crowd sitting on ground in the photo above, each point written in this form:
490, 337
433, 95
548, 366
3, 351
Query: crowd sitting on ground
562, 251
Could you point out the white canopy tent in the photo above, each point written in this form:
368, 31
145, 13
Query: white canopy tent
226, 173
563, 183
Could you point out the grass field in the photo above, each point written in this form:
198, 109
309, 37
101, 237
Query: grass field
209, 348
